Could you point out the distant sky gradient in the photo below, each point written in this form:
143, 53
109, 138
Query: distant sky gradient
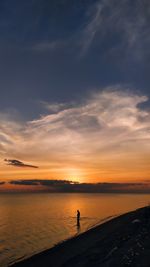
75, 89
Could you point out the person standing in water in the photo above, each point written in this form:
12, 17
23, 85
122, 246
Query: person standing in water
78, 218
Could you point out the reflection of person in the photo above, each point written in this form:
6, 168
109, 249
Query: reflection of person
78, 218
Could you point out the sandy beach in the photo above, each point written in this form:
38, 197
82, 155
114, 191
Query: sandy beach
121, 241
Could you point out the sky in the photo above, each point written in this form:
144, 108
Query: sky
75, 90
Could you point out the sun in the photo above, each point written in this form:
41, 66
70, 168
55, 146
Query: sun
75, 174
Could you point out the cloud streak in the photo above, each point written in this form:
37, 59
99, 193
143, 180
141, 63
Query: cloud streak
2, 183
46, 46
74, 187
118, 27
124, 24
17, 163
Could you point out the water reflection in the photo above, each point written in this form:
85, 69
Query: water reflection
78, 227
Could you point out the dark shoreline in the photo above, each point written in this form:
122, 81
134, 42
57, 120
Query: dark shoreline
121, 241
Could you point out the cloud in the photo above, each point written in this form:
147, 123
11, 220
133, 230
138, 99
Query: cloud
2, 183
123, 24
25, 182
105, 135
45, 46
17, 163
110, 27
55, 107
72, 187
41, 182
91, 28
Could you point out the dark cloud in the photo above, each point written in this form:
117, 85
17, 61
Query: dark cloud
1, 183
25, 182
18, 163
65, 186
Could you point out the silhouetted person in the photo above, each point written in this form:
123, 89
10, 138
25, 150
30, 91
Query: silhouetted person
78, 218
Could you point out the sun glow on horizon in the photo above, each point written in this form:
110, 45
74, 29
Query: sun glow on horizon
106, 138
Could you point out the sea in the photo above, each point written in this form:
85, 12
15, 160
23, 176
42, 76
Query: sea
33, 222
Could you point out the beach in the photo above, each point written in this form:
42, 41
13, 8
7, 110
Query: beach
121, 241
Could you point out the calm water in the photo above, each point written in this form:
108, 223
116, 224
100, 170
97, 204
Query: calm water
30, 223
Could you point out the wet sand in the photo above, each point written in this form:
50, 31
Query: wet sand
122, 241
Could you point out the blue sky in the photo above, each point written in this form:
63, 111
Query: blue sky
60, 51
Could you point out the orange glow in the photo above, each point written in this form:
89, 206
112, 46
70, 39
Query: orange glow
120, 170
105, 139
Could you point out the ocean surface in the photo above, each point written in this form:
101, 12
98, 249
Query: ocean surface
30, 223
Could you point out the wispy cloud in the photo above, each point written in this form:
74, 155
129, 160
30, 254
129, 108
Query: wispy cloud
116, 27
55, 107
45, 46
100, 136
92, 27
123, 24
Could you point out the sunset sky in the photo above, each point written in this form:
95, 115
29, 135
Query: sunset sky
75, 90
